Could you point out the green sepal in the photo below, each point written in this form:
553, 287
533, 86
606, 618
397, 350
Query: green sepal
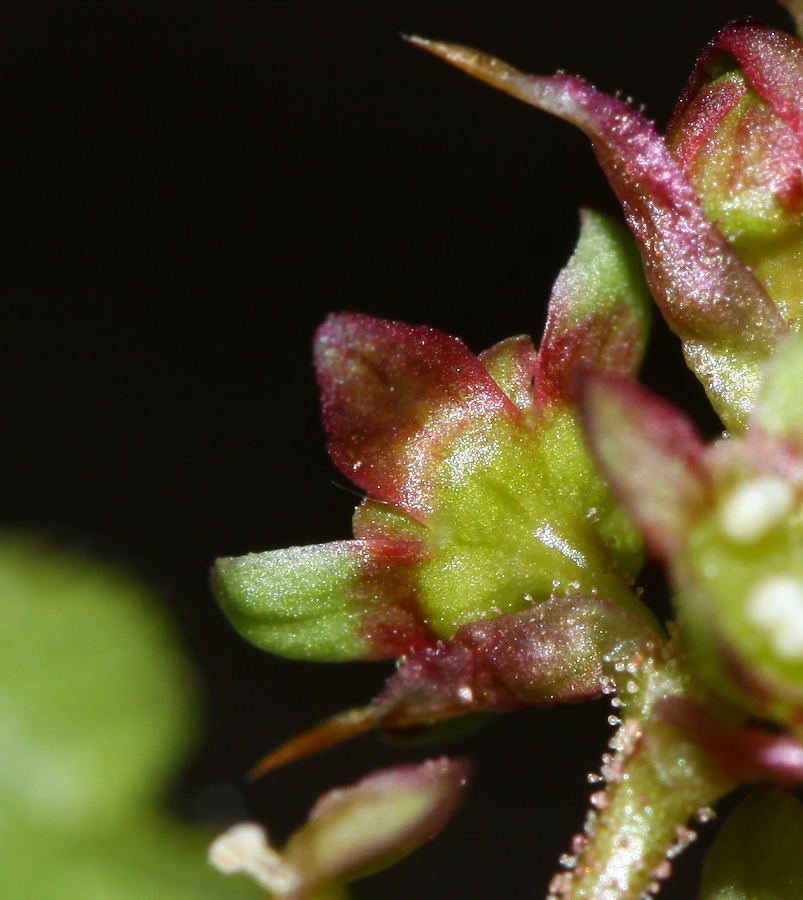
599, 312
757, 854
348, 600
778, 411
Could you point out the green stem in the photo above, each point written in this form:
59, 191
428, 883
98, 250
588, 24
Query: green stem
657, 781
652, 784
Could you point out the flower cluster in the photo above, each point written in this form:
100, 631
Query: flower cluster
510, 498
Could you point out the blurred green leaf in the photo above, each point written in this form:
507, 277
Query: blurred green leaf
96, 712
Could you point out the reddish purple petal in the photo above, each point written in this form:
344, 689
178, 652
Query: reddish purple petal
650, 453
392, 394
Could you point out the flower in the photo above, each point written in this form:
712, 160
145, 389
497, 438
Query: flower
737, 133
481, 498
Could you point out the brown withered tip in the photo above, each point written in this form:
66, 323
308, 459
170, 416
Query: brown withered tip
336, 730
481, 65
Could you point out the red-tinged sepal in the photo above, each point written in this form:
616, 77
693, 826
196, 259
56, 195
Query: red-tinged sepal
346, 600
351, 832
738, 135
709, 296
599, 311
393, 395
652, 456
565, 650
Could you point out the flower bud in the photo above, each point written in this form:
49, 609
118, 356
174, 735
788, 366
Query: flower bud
738, 135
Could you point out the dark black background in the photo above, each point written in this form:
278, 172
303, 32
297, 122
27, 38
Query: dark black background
188, 188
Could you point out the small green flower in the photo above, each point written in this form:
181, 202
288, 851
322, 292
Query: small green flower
481, 497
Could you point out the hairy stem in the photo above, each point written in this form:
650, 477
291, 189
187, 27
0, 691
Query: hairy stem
656, 781
652, 783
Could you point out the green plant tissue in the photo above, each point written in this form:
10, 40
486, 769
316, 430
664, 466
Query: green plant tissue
96, 712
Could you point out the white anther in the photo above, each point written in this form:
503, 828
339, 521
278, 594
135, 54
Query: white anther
776, 604
754, 507
244, 849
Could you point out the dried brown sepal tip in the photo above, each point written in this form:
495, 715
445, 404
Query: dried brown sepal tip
335, 730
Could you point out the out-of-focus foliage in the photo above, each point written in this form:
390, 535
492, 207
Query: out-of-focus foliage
96, 711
